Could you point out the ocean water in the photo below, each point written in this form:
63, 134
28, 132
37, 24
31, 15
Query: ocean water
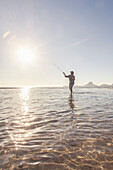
49, 129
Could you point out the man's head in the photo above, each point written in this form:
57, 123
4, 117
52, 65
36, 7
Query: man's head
71, 72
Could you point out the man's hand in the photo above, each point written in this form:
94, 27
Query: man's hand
64, 74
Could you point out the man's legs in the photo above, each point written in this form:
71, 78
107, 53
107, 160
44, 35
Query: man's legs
71, 90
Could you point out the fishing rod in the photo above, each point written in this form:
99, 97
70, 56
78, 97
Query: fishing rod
57, 67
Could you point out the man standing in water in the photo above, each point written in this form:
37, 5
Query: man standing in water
71, 80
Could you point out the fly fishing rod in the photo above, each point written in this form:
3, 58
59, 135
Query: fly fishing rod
58, 67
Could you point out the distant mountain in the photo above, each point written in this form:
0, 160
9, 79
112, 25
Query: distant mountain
90, 84
105, 86
11, 87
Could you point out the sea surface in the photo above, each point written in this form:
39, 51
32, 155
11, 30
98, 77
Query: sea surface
49, 129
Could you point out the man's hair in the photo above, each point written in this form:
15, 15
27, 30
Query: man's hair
72, 72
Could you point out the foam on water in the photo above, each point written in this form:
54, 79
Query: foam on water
47, 128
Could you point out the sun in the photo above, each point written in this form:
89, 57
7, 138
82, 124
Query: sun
25, 55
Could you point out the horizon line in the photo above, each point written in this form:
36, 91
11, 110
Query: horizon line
60, 86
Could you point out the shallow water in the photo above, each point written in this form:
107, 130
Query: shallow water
47, 128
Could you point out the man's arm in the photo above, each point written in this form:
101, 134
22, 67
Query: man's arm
65, 75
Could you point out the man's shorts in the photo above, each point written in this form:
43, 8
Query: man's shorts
71, 85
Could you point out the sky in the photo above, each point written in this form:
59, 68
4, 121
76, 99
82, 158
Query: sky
39, 36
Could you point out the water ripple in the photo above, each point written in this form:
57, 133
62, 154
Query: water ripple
45, 128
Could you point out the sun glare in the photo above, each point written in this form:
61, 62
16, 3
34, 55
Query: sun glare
25, 55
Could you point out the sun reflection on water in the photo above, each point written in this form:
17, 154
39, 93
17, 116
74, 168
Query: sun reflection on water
25, 93
23, 120
24, 96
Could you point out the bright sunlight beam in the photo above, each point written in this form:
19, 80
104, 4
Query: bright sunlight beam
25, 55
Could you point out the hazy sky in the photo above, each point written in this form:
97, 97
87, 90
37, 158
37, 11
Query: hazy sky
74, 34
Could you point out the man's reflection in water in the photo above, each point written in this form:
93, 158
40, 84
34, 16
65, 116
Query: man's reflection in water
71, 102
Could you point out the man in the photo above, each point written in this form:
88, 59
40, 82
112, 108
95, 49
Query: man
71, 80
